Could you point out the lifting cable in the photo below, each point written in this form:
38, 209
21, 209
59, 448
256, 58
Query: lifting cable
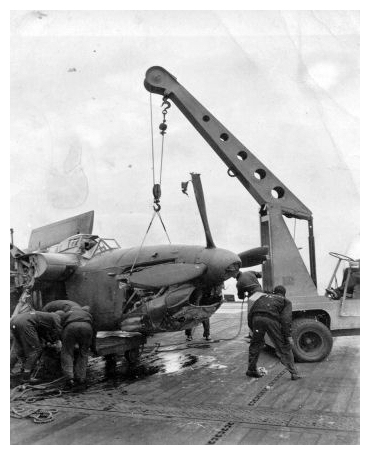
156, 186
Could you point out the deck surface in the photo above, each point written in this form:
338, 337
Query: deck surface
198, 393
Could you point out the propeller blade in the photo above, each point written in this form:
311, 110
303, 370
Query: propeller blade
15, 252
162, 275
199, 196
254, 256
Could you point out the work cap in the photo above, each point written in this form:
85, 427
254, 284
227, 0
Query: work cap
280, 290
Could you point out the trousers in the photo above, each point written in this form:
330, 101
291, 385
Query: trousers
76, 342
206, 329
26, 345
262, 325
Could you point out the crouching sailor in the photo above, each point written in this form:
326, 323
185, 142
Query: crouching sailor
77, 338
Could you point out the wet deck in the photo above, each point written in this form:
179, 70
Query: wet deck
198, 393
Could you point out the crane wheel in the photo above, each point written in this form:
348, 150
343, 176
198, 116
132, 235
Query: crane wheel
312, 340
133, 355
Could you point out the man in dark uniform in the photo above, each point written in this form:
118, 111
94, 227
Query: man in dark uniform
77, 331
354, 278
271, 314
246, 282
29, 331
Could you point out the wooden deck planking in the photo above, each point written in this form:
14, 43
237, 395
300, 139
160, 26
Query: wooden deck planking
281, 436
342, 400
253, 436
34, 433
308, 438
203, 385
354, 402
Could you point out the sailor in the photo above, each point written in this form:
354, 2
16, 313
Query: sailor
354, 279
29, 331
77, 332
246, 282
271, 314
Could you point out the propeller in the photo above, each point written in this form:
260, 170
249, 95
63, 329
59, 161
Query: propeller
254, 256
199, 196
249, 258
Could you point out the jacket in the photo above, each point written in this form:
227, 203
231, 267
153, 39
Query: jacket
47, 325
276, 307
245, 281
76, 315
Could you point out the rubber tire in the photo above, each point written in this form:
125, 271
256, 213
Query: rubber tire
133, 356
302, 327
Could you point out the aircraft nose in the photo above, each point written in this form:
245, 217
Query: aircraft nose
221, 264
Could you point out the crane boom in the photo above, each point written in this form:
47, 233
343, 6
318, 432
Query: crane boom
285, 265
261, 183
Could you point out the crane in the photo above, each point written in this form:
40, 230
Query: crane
315, 318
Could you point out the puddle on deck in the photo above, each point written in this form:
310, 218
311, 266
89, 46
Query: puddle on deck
162, 363
102, 374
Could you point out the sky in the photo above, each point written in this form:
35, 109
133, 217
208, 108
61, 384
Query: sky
285, 83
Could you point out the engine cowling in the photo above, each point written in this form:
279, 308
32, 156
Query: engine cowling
177, 309
53, 266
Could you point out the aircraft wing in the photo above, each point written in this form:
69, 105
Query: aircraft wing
162, 275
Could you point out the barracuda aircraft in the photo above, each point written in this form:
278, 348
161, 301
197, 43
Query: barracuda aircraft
145, 289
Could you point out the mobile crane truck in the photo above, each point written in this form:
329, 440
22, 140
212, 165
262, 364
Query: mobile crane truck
316, 318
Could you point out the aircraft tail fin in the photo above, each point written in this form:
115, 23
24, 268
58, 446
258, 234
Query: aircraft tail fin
51, 234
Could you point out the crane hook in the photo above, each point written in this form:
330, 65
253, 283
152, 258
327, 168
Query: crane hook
167, 103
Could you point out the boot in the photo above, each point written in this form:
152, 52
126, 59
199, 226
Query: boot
80, 386
69, 384
295, 377
254, 374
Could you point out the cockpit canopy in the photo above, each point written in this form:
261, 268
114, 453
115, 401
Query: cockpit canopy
85, 244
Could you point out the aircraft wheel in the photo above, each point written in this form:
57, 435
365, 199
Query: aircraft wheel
133, 355
312, 340
110, 364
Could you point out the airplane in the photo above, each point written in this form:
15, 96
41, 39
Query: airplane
146, 289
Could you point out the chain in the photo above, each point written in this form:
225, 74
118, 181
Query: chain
162, 127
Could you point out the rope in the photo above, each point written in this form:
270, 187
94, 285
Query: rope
142, 243
160, 171
156, 201
164, 227
40, 392
240, 325
38, 415
157, 346
152, 135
